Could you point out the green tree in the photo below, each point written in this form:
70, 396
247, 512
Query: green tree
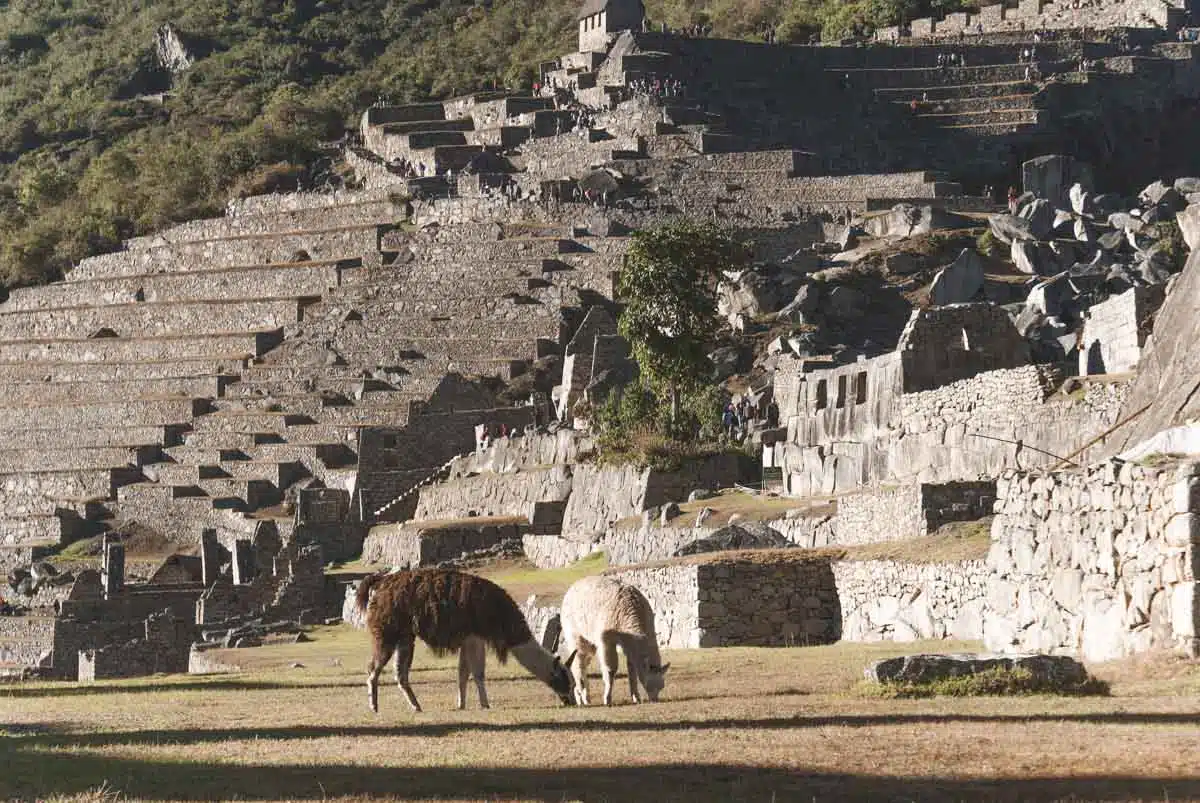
668, 285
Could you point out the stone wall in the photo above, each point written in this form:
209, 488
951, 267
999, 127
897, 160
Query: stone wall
764, 599
521, 452
554, 551
1100, 563
408, 546
604, 495
885, 600
164, 647
535, 495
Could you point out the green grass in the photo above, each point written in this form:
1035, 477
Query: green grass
521, 579
991, 683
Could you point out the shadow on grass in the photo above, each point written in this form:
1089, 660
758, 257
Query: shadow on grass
53, 737
216, 684
38, 775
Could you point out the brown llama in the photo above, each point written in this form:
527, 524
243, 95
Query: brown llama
450, 610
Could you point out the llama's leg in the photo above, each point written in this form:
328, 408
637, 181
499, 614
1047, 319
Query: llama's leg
632, 664
404, 659
478, 669
579, 669
383, 651
464, 670
608, 668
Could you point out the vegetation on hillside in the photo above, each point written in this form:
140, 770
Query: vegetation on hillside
92, 151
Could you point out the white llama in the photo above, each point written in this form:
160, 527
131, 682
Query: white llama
600, 614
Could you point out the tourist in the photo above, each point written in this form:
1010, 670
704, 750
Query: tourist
727, 420
1012, 200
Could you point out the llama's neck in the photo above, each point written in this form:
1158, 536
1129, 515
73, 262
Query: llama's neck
534, 658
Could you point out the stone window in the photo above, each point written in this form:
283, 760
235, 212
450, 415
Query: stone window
822, 394
841, 392
860, 387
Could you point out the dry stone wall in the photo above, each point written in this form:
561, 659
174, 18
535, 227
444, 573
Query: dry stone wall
1101, 563
608, 494
524, 494
885, 600
409, 546
741, 599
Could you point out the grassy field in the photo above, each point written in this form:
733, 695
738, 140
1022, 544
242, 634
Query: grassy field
734, 725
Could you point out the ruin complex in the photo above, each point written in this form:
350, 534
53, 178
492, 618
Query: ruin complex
315, 377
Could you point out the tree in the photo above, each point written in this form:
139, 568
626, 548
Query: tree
668, 285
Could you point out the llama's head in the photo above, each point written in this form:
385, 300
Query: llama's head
654, 679
561, 680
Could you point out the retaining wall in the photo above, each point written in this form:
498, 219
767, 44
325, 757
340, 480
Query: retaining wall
1100, 563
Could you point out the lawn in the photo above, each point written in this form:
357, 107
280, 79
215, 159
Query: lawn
734, 725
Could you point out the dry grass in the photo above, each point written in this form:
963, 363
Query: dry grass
734, 725
521, 578
952, 543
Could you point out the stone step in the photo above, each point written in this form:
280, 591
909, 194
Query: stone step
280, 475
44, 531
435, 352
510, 249
152, 498
977, 91
932, 76
307, 245
115, 435
254, 494
416, 126
255, 421
250, 218
51, 393
965, 105
41, 493
203, 343
153, 319
224, 371
72, 456
380, 115
274, 281
133, 413
367, 416
984, 116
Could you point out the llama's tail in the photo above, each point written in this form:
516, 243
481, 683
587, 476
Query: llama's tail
363, 595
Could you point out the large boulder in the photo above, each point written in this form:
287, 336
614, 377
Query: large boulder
1024, 255
802, 305
1050, 177
1161, 194
1039, 213
1187, 185
750, 294
742, 535
846, 303
959, 281
907, 220
1009, 228
1081, 200
1189, 225
1047, 671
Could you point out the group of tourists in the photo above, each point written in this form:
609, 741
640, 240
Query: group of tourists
697, 31
740, 413
951, 59
657, 88
406, 169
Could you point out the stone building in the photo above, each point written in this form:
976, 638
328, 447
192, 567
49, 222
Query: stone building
600, 20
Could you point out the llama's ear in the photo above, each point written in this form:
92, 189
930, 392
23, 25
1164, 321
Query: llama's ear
570, 658
665, 667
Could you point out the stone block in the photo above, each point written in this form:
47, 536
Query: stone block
1183, 530
1054, 671
924, 26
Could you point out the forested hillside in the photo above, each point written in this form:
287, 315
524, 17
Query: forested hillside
98, 142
